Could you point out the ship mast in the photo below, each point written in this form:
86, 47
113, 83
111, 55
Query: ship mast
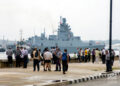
34, 38
60, 19
44, 31
21, 35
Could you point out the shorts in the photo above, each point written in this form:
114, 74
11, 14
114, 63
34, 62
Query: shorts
47, 61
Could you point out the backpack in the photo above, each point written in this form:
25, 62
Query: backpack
64, 56
36, 54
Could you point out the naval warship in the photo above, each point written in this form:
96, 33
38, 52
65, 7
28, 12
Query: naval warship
64, 39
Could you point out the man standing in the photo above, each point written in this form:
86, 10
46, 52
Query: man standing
44, 58
17, 57
89, 55
113, 57
65, 60
108, 62
86, 55
25, 58
97, 55
36, 59
103, 56
93, 56
82, 55
48, 57
79, 55
58, 61
9, 53
22, 56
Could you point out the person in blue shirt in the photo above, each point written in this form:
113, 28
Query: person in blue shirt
65, 60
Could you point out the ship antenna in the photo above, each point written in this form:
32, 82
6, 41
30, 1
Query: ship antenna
34, 37
34, 32
52, 29
44, 30
60, 19
21, 33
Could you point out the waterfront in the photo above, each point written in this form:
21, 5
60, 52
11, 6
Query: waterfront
3, 55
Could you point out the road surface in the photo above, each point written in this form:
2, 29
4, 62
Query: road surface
111, 81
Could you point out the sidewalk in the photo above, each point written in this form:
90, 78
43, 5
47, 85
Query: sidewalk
26, 77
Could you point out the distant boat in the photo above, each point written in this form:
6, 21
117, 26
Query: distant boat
24, 45
114, 46
2, 49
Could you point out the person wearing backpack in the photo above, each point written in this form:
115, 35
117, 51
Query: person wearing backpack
36, 59
65, 60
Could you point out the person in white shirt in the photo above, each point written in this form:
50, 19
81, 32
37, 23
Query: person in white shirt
25, 57
22, 52
48, 56
103, 56
97, 55
22, 56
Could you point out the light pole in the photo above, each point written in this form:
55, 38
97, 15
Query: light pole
110, 34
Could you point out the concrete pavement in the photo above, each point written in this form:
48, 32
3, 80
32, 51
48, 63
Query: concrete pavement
26, 77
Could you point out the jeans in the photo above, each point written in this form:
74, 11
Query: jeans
25, 59
36, 63
93, 58
58, 65
65, 66
108, 65
18, 60
103, 59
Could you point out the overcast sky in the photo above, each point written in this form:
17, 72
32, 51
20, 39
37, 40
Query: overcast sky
87, 18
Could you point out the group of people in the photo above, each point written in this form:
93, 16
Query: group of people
48, 56
95, 54
21, 57
56, 56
